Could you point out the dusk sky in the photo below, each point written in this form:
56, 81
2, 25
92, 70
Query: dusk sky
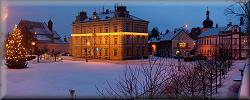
164, 15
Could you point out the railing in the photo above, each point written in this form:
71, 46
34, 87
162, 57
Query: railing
244, 88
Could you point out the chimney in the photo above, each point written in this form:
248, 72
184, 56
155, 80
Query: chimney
216, 26
230, 23
83, 15
50, 25
241, 21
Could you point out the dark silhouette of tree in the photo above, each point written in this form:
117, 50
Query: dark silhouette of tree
195, 32
154, 33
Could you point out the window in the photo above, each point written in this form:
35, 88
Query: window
127, 27
100, 29
124, 28
127, 40
106, 40
94, 30
100, 51
210, 41
115, 28
142, 51
138, 39
215, 41
127, 52
115, 52
100, 40
106, 51
115, 40
106, 29
182, 45
137, 52
235, 41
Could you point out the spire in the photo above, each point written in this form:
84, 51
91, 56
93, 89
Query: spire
207, 14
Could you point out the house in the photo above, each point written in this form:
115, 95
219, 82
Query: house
110, 34
174, 43
231, 39
41, 35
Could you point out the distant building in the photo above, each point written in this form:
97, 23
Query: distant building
231, 39
113, 35
42, 36
175, 43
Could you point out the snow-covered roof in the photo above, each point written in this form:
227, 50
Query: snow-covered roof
110, 15
212, 31
153, 40
168, 36
43, 38
42, 31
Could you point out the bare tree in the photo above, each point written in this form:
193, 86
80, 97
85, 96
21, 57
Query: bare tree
241, 8
140, 81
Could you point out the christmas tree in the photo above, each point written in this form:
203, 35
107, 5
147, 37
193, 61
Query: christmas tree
15, 51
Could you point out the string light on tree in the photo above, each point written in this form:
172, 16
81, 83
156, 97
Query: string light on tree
15, 51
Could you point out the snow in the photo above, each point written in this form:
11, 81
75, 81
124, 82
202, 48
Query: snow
230, 88
56, 78
244, 89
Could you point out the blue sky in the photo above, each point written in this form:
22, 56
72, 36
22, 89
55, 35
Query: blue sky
164, 15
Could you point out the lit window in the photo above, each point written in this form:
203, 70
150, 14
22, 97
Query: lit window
106, 52
182, 45
115, 40
115, 52
115, 28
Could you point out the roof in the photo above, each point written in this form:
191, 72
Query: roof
43, 33
212, 31
111, 15
168, 36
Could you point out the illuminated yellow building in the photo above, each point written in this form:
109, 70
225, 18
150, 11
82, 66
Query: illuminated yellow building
113, 35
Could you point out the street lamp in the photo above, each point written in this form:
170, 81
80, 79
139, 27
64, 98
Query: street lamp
88, 44
33, 45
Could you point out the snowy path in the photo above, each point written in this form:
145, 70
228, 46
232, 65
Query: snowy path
230, 87
55, 79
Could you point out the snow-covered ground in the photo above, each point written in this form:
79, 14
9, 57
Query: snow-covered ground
54, 79
230, 88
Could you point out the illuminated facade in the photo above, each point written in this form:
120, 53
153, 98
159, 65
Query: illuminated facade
113, 35
175, 43
231, 39
43, 36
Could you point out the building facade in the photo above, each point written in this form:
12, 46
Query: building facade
171, 44
231, 39
41, 35
112, 35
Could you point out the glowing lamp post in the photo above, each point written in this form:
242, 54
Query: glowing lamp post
33, 45
88, 44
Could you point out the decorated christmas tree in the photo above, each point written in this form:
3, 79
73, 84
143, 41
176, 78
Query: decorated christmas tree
15, 51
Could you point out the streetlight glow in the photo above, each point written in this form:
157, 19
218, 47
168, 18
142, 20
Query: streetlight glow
88, 43
33, 43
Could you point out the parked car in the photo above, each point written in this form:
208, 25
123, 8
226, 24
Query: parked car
200, 57
178, 57
189, 58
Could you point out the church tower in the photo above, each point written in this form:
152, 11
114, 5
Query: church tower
207, 23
